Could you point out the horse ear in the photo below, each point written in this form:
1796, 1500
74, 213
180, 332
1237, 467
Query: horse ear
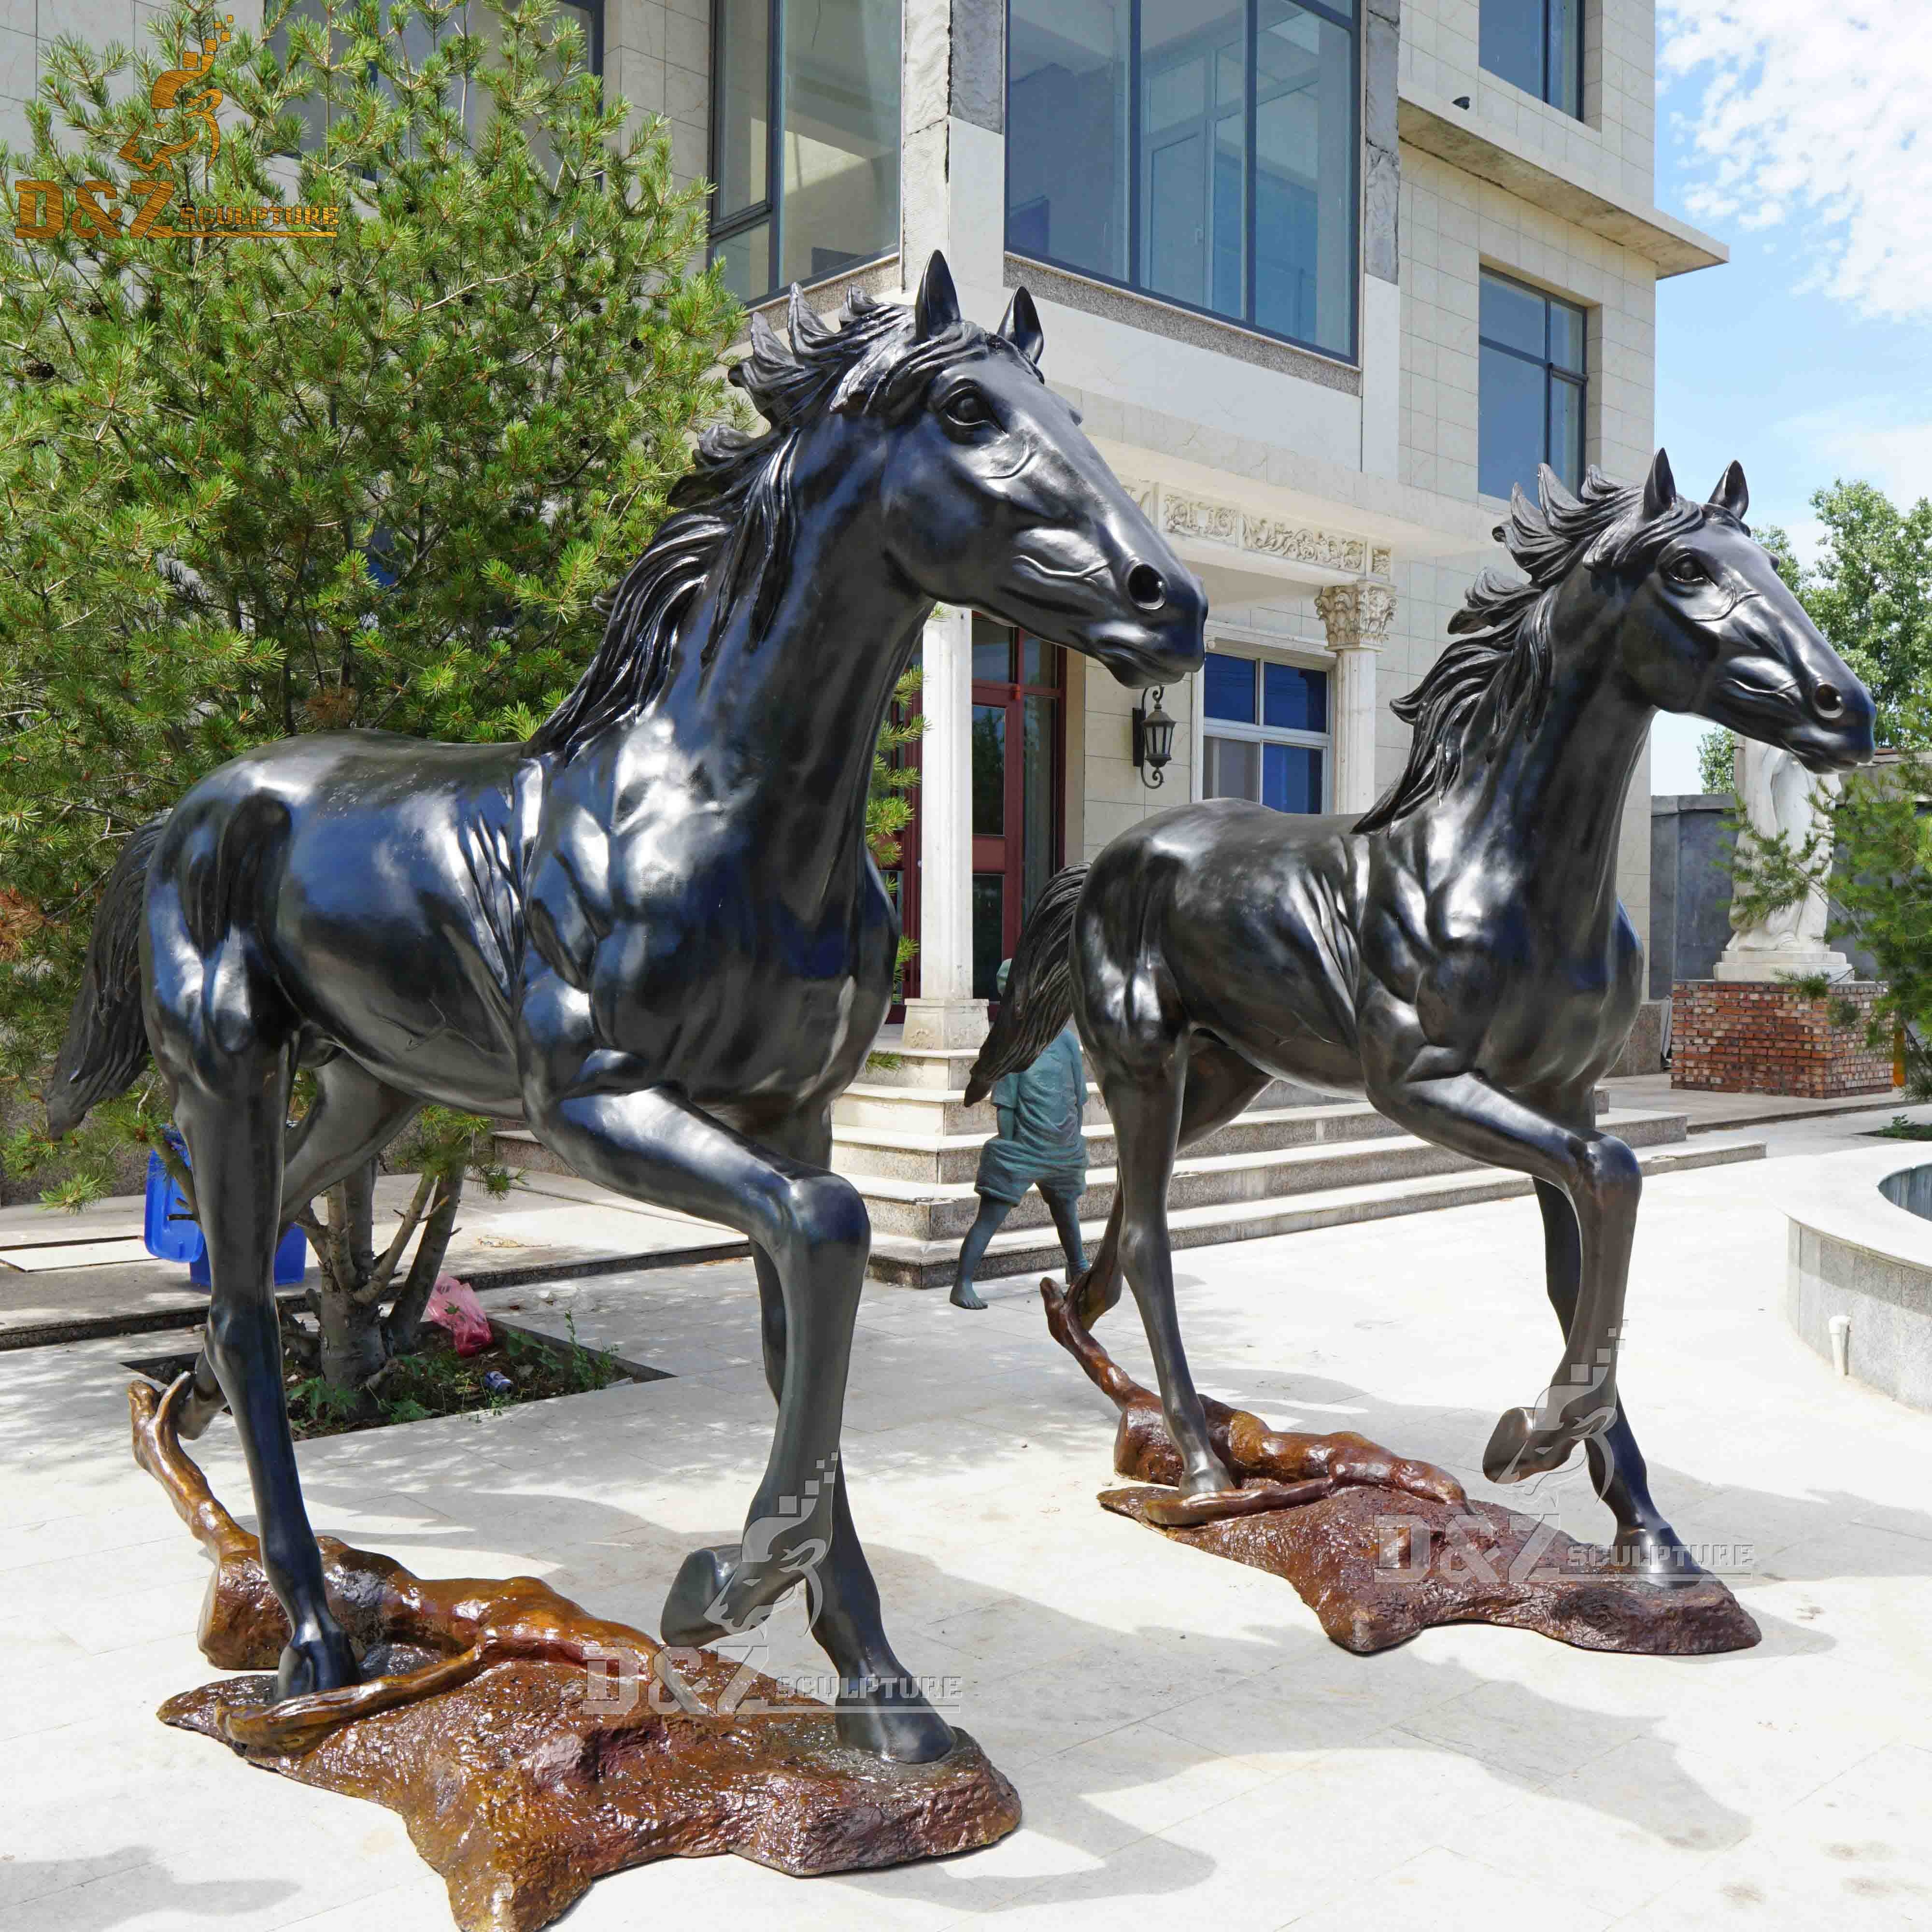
1660, 488
1731, 495
1020, 326
938, 304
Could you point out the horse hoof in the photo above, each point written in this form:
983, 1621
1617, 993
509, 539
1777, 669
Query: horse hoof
1655, 1556
696, 1600
889, 1717
320, 1661
1519, 1449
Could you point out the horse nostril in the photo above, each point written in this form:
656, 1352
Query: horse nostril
1147, 587
1829, 700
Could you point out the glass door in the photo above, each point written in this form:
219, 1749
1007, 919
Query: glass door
1018, 757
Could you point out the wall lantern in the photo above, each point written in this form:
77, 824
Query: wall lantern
1153, 739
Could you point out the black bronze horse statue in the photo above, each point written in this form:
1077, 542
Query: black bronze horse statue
1458, 955
653, 930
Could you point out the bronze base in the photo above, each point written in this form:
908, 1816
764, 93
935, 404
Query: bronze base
1376, 1567
521, 1800
1381, 1547
532, 1748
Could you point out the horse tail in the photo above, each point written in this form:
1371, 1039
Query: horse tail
106, 1039
1039, 990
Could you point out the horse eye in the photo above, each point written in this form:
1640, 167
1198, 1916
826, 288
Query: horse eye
966, 408
1685, 570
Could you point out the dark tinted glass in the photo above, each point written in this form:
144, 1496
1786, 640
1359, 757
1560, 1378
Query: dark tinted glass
992, 651
1293, 699
1566, 430
1228, 686
1067, 140
1036, 800
1509, 442
744, 92
1564, 76
1514, 315
841, 126
1291, 778
989, 917
1193, 149
1232, 768
1567, 329
1304, 177
989, 771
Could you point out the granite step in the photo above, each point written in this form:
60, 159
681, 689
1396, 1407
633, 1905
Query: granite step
941, 1211
912, 1262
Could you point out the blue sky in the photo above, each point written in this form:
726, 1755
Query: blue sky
1808, 356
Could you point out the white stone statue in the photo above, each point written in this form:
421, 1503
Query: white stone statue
1780, 796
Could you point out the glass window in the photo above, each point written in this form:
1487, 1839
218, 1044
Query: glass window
805, 102
1203, 150
740, 154
1532, 383
989, 771
419, 41
1538, 46
1282, 760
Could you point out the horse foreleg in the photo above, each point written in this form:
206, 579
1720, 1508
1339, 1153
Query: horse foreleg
654, 1145
1645, 1541
876, 1690
1600, 1178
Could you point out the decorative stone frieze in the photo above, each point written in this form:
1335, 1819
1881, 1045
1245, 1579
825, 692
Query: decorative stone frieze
1182, 513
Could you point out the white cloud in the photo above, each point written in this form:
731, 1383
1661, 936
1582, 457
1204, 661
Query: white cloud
1875, 441
1812, 113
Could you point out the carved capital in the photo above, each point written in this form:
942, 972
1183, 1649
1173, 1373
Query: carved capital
1356, 616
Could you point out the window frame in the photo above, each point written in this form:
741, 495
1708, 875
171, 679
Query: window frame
771, 209
1136, 209
1544, 64
1251, 651
1578, 379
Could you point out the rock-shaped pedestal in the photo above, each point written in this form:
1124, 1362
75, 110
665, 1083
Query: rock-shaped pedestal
532, 1748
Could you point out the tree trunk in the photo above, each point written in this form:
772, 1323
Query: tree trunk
351, 1331
403, 1331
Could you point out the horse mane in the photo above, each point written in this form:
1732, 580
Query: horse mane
1492, 684
734, 514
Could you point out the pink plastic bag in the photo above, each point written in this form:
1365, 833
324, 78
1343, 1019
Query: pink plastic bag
453, 1306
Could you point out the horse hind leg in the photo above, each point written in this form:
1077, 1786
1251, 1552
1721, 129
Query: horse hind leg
1220, 1083
354, 1117
227, 1052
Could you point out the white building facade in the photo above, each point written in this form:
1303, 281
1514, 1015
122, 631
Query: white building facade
1323, 277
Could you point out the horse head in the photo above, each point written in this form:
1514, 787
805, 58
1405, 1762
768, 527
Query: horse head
994, 498
1712, 628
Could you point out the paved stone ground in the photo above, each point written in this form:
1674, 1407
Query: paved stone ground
64, 1274
1190, 1749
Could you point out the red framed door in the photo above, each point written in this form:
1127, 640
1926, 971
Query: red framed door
1018, 787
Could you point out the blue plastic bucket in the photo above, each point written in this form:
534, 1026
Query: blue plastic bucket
172, 1234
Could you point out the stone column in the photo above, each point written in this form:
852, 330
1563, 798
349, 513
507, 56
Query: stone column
1357, 618
945, 1014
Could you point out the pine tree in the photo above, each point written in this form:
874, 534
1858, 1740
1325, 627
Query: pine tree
377, 478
